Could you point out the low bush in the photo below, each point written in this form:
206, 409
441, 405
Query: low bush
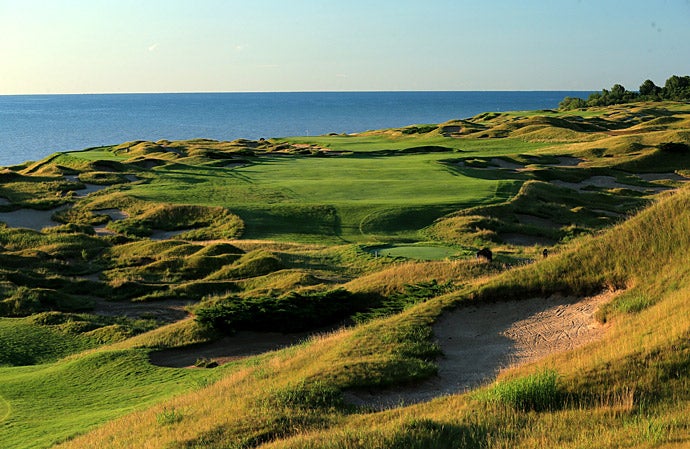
292, 312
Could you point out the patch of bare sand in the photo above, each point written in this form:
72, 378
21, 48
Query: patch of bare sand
166, 311
533, 220
479, 341
235, 347
158, 234
29, 218
607, 182
88, 189
662, 177
502, 163
114, 214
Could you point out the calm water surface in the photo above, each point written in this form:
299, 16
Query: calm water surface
34, 126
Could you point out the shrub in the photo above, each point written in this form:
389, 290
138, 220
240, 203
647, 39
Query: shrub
674, 147
292, 312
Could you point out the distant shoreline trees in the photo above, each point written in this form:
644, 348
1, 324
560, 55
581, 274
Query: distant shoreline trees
676, 88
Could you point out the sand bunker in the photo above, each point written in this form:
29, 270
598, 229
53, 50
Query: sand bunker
607, 182
502, 163
88, 189
114, 214
662, 177
479, 341
29, 218
526, 240
158, 234
533, 220
240, 345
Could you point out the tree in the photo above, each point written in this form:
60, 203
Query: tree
569, 103
649, 90
617, 92
676, 88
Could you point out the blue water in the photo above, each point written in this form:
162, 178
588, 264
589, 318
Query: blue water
35, 126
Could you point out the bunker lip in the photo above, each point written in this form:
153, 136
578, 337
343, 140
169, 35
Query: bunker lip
480, 341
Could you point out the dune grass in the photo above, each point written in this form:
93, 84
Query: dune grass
620, 392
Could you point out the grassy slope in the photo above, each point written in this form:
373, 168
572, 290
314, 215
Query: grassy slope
629, 390
51, 402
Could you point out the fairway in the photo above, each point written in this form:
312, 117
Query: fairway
352, 198
74, 395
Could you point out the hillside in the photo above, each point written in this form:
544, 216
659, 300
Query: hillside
327, 291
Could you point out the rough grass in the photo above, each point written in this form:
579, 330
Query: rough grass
624, 391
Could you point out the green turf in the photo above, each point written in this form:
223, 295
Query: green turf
353, 198
417, 252
52, 402
95, 154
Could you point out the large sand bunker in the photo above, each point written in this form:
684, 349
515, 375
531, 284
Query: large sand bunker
479, 341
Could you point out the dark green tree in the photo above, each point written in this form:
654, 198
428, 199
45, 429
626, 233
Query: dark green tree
677, 88
649, 90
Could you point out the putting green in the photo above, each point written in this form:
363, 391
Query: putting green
417, 252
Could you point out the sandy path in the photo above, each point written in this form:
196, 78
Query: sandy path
479, 341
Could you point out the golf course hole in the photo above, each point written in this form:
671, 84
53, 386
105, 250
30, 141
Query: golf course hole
416, 252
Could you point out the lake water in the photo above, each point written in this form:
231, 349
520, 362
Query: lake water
35, 126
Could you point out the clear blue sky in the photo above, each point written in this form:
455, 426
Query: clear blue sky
76, 46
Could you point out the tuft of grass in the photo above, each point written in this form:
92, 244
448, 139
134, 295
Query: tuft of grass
536, 392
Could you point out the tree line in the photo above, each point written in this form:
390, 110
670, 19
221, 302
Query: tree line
676, 88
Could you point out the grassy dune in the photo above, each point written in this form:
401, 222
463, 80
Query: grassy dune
375, 232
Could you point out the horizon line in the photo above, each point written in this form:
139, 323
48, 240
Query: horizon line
286, 92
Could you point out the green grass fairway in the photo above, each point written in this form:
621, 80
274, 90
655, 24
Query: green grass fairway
353, 198
51, 402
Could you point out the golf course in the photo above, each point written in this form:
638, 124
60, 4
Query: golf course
325, 291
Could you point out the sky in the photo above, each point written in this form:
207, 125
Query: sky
117, 46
